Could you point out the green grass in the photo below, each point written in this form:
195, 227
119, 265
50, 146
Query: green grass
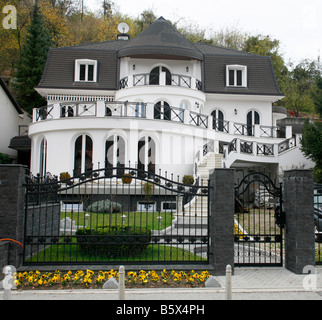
136, 219
70, 253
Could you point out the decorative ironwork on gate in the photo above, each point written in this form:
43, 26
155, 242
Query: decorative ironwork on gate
113, 216
318, 222
259, 221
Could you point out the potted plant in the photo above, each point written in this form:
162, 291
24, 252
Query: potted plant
64, 176
127, 178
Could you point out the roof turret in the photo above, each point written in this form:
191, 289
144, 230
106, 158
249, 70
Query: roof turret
161, 40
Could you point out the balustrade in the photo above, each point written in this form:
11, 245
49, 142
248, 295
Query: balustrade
146, 79
169, 113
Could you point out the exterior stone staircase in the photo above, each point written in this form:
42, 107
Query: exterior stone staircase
198, 207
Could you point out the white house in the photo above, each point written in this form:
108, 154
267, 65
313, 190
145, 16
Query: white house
14, 140
159, 103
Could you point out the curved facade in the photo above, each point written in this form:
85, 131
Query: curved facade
158, 103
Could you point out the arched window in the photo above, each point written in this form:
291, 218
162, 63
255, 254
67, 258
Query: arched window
115, 154
108, 112
83, 159
162, 111
218, 120
146, 154
252, 119
155, 76
43, 158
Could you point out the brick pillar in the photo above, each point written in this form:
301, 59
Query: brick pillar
12, 197
222, 202
299, 228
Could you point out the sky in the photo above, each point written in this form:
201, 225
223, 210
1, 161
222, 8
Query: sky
296, 23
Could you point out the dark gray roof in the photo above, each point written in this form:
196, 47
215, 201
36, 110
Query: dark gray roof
10, 96
20, 143
160, 41
60, 68
260, 75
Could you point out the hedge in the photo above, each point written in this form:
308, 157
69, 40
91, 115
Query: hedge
114, 242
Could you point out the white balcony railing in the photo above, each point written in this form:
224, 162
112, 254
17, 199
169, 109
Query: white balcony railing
126, 109
146, 79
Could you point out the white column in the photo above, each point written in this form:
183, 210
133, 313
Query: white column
289, 132
100, 105
257, 130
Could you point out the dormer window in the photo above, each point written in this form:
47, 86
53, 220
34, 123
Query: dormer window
236, 76
86, 70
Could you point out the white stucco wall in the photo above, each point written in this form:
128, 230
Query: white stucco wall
9, 123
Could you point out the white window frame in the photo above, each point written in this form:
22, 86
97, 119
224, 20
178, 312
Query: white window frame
236, 68
87, 63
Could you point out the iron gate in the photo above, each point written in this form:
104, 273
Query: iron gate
259, 221
113, 216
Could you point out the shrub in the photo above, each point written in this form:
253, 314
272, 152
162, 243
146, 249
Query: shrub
148, 189
189, 180
114, 242
4, 159
104, 206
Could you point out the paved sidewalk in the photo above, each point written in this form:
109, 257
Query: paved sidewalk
247, 284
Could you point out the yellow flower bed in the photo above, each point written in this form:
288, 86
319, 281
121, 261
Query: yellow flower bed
91, 279
238, 232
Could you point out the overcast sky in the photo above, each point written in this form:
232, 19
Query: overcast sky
296, 23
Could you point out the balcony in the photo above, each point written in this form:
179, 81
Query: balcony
119, 110
148, 79
147, 111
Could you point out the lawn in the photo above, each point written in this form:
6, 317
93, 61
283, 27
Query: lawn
67, 250
137, 219
62, 253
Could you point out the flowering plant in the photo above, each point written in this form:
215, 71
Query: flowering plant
91, 279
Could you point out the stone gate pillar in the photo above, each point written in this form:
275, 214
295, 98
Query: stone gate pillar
12, 199
222, 207
299, 227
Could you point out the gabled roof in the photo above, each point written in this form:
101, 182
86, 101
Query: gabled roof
161, 39
10, 96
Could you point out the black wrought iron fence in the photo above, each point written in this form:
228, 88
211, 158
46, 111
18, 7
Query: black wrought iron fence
318, 222
115, 217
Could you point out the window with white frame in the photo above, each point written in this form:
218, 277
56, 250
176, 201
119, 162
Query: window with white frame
236, 76
86, 70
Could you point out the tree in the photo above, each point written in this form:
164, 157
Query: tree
312, 146
265, 46
145, 20
32, 62
57, 25
230, 37
312, 134
318, 96
300, 87
11, 40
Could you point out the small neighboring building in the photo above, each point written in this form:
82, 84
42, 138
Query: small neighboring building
14, 140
